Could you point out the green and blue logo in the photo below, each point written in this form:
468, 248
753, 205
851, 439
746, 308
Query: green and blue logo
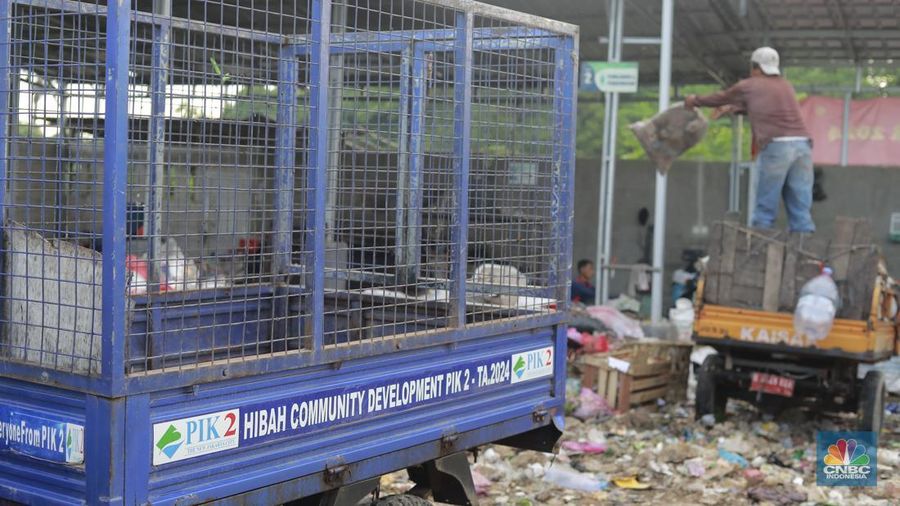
170, 441
519, 366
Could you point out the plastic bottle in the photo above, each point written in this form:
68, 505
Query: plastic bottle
574, 480
817, 306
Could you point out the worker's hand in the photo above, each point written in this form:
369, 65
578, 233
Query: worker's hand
718, 112
690, 102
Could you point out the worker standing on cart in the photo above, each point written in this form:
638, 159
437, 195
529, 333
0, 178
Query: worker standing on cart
785, 150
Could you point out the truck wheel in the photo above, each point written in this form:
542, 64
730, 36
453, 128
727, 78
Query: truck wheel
403, 500
711, 397
871, 403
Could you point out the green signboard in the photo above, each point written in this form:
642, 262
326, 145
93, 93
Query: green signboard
618, 77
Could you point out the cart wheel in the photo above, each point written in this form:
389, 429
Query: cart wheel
711, 397
871, 403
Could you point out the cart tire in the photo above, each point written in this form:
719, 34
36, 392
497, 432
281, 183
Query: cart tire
403, 500
712, 397
871, 403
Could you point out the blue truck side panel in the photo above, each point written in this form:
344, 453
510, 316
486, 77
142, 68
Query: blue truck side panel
281, 458
25, 478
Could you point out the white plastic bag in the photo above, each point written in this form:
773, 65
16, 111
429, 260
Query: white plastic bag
817, 306
682, 316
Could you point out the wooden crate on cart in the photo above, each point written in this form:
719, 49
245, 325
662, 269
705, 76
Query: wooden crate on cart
639, 372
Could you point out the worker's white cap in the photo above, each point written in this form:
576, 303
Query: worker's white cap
767, 59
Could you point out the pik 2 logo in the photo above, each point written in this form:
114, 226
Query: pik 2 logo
519, 367
846, 459
532, 364
192, 437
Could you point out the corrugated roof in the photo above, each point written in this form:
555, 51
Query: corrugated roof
714, 38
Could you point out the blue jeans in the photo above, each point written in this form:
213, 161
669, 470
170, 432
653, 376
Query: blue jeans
785, 170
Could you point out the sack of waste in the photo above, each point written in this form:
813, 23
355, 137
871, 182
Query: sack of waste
670, 133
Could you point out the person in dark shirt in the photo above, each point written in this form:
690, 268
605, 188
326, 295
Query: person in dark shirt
785, 162
582, 289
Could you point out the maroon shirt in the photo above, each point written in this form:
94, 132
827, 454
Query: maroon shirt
770, 104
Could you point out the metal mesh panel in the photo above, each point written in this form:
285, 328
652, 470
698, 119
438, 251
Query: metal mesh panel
218, 107
51, 302
513, 240
389, 176
298, 181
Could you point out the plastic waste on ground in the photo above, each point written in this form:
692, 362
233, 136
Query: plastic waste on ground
631, 483
695, 467
817, 306
754, 476
682, 316
482, 484
780, 496
565, 477
668, 451
670, 133
732, 457
889, 458
615, 321
586, 447
590, 405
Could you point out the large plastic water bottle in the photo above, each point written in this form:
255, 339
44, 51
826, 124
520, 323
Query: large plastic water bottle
817, 306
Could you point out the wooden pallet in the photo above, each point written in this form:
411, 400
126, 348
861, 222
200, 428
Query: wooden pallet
639, 372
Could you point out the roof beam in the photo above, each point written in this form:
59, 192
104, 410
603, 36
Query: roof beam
837, 12
718, 72
733, 22
812, 34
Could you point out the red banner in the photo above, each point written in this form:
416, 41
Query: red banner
874, 130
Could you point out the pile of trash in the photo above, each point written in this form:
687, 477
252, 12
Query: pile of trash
659, 454
598, 329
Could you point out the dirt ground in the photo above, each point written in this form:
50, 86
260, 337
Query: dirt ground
749, 459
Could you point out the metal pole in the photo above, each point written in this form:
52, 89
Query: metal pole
752, 181
659, 212
734, 173
608, 162
845, 130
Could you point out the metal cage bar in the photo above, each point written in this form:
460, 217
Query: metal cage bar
318, 121
462, 121
115, 181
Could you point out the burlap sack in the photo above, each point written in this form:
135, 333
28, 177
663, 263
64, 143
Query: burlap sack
669, 134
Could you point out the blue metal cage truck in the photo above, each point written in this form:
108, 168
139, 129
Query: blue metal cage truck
258, 251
